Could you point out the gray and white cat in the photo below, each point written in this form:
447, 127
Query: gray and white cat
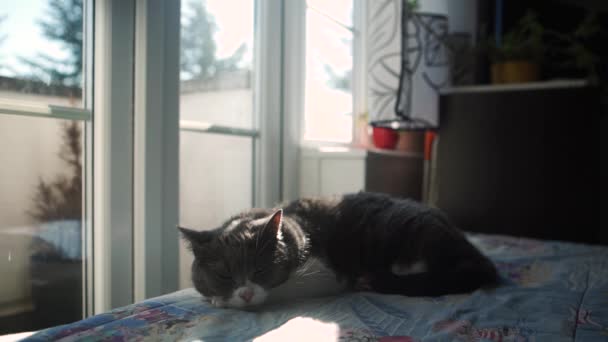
363, 241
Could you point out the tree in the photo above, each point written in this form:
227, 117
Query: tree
198, 47
2, 38
338, 81
61, 199
343, 80
62, 23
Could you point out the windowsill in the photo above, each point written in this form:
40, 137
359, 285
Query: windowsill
349, 151
331, 149
573, 83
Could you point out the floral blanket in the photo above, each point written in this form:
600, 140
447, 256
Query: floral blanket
552, 291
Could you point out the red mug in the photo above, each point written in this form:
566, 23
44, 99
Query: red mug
385, 137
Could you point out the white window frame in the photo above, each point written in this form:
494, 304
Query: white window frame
132, 141
113, 154
136, 150
359, 63
87, 91
156, 134
149, 123
270, 171
139, 243
295, 46
294, 78
156, 147
265, 132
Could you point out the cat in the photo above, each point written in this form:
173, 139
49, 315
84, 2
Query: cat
365, 241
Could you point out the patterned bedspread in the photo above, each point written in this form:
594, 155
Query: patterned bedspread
552, 291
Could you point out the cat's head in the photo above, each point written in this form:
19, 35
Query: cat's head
237, 264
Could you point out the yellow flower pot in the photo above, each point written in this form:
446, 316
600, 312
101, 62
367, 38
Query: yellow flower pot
514, 72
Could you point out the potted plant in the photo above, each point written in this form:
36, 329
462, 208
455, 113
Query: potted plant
516, 58
575, 53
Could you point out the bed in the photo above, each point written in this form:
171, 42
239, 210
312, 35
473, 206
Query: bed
552, 291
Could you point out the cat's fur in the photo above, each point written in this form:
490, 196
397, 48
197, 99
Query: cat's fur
372, 241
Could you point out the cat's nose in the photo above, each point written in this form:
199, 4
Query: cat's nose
246, 294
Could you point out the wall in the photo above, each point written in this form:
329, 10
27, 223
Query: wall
229, 107
215, 170
29, 151
331, 171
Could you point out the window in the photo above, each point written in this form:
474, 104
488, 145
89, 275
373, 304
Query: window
328, 105
233, 154
218, 123
216, 63
43, 164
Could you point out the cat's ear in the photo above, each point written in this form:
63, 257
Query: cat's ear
195, 238
275, 224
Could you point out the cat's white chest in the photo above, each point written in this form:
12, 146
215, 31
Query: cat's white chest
313, 279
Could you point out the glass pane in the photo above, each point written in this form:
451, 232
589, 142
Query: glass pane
41, 231
329, 61
339, 10
216, 62
41, 51
215, 183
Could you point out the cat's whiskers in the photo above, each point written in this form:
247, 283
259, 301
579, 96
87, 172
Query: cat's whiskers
303, 269
307, 274
317, 273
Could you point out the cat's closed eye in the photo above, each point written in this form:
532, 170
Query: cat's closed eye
223, 276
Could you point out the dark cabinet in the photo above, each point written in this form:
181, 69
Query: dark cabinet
523, 160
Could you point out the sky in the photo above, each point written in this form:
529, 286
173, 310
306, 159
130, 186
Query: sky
23, 34
24, 37
327, 110
234, 26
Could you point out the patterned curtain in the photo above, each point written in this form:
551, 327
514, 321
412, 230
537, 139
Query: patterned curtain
407, 65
